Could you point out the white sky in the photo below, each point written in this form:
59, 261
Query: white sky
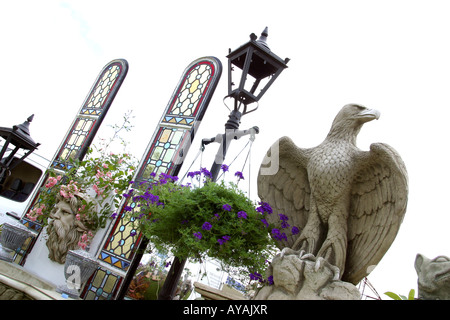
393, 56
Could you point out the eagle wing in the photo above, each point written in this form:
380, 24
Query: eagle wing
378, 204
283, 183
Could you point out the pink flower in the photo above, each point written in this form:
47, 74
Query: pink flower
69, 190
51, 182
105, 166
82, 245
99, 174
85, 240
97, 190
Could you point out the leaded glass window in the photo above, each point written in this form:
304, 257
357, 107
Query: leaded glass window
82, 131
85, 123
166, 150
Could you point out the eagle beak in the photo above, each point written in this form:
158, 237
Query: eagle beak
369, 114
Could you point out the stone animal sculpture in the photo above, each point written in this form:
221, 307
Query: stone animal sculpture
347, 203
300, 276
433, 277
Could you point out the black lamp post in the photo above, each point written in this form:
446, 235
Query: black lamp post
256, 61
19, 136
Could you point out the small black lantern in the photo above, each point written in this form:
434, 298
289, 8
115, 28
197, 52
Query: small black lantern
19, 136
256, 61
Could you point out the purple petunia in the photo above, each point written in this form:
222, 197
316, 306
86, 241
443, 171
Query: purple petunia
239, 175
193, 174
224, 239
207, 226
206, 173
264, 207
226, 207
295, 230
242, 214
256, 276
224, 167
127, 195
284, 220
277, 235
198, 235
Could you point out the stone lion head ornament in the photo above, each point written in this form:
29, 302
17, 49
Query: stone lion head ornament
433, 277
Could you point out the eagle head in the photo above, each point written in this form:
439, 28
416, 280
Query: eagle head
350, 119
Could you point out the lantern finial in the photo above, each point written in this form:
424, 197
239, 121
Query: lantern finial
263, 38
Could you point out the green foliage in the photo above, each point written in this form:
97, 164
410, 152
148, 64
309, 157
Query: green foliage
401, 297
103, 175
216, 220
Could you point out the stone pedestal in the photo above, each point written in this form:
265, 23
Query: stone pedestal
299, 276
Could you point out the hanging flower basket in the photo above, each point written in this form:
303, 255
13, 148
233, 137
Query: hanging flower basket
215, 220
12, 238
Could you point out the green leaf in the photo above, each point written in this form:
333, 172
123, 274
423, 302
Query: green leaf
411, 294
393, 295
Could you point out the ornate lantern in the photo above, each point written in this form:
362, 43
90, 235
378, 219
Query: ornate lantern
256, 61
19, 136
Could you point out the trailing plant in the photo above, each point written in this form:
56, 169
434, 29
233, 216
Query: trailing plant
103, 177
95, 181
215, 220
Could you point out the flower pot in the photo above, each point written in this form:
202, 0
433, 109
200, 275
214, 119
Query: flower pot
12, 238
79, 266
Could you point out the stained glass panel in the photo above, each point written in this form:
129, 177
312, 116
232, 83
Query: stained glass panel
103, 285
166, 150
75, 139
83, 129
190, 94
90, 112
161, 159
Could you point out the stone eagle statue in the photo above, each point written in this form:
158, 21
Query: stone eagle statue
347, 203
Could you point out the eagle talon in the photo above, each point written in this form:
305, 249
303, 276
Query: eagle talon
319, 263
287, 251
